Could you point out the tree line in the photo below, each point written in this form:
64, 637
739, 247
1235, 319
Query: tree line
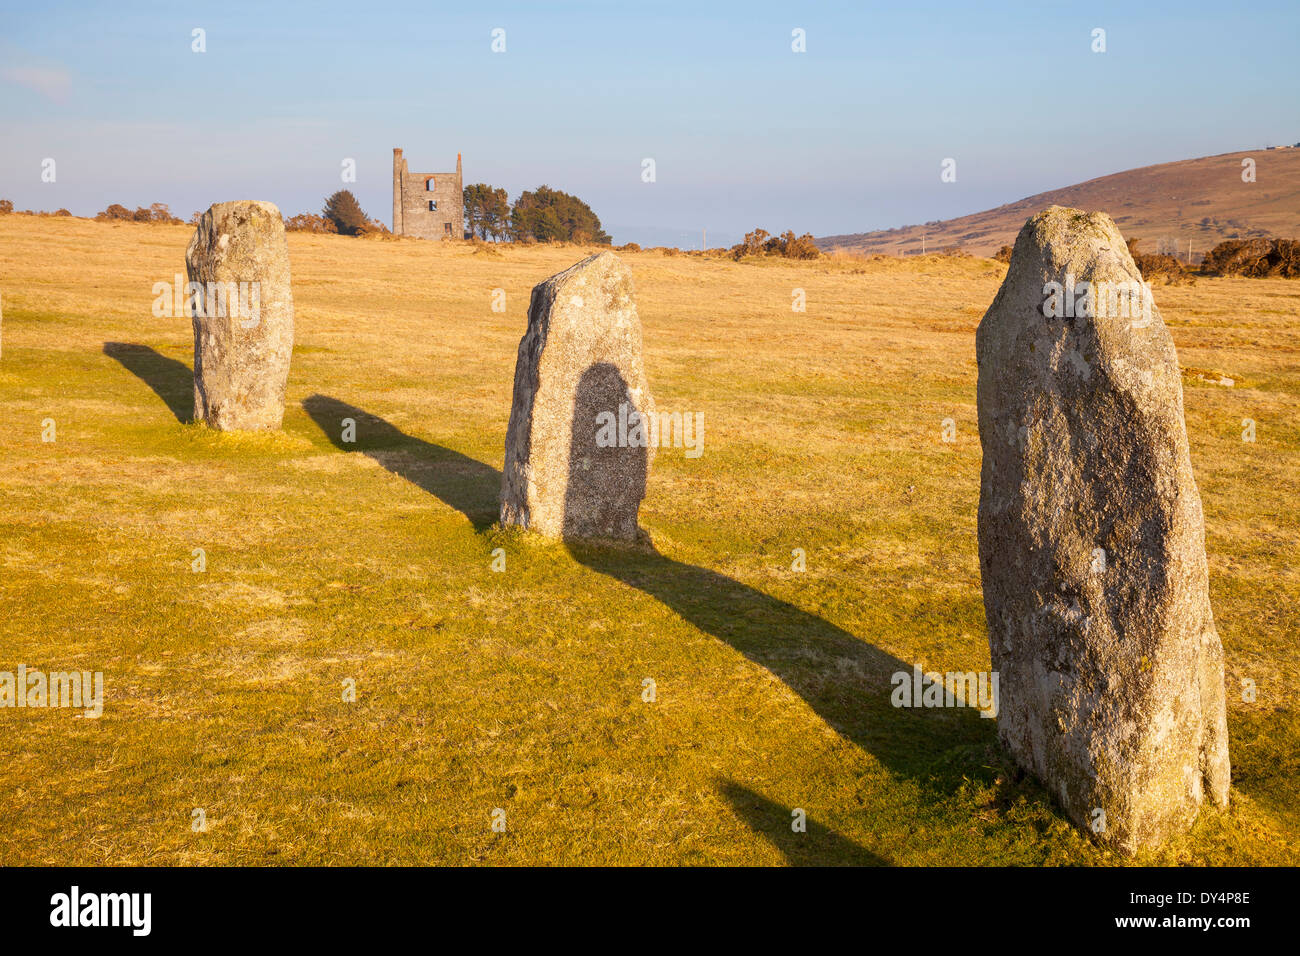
539, 215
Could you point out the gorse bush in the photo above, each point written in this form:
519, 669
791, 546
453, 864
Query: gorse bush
1254, 258
787, 245
306, 222
114, 211
156, 212
1158, 265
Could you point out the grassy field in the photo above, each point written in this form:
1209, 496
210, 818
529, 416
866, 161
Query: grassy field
522, 690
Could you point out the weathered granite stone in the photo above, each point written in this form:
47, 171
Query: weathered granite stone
1092, 543
242, 308
577, 447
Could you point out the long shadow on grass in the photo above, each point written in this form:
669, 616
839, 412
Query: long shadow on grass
172, 381
469, 486
1265, 758
844, 679
817, 846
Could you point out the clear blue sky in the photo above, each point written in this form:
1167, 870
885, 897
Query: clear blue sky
846, 137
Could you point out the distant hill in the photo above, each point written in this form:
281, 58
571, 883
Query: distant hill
1201, 200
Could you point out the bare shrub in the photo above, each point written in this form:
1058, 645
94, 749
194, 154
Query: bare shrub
1159, 266
787, 245
307, 222
1254, 258
114, 211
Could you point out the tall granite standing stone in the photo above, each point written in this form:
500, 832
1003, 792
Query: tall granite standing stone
1092, 542
577, 447
242, 307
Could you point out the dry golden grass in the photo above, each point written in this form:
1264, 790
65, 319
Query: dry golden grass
522, 690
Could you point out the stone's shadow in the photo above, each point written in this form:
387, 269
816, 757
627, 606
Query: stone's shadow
467, 485
606, 482
845, 680
172, 381
773, 821
1265, 760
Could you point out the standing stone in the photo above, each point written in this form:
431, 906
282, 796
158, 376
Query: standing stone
1092, 542
242, 307
577, 447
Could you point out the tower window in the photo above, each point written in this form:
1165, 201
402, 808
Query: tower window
433, 205
428, 184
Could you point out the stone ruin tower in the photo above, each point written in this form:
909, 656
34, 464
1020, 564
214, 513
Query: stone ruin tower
427, 205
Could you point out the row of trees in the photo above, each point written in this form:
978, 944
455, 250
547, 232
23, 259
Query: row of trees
487, 212
540, 215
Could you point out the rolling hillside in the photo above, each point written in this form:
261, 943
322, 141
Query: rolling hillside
1201, 201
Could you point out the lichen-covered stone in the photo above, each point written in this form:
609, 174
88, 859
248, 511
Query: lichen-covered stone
241, 303
578, 373
1092, 545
